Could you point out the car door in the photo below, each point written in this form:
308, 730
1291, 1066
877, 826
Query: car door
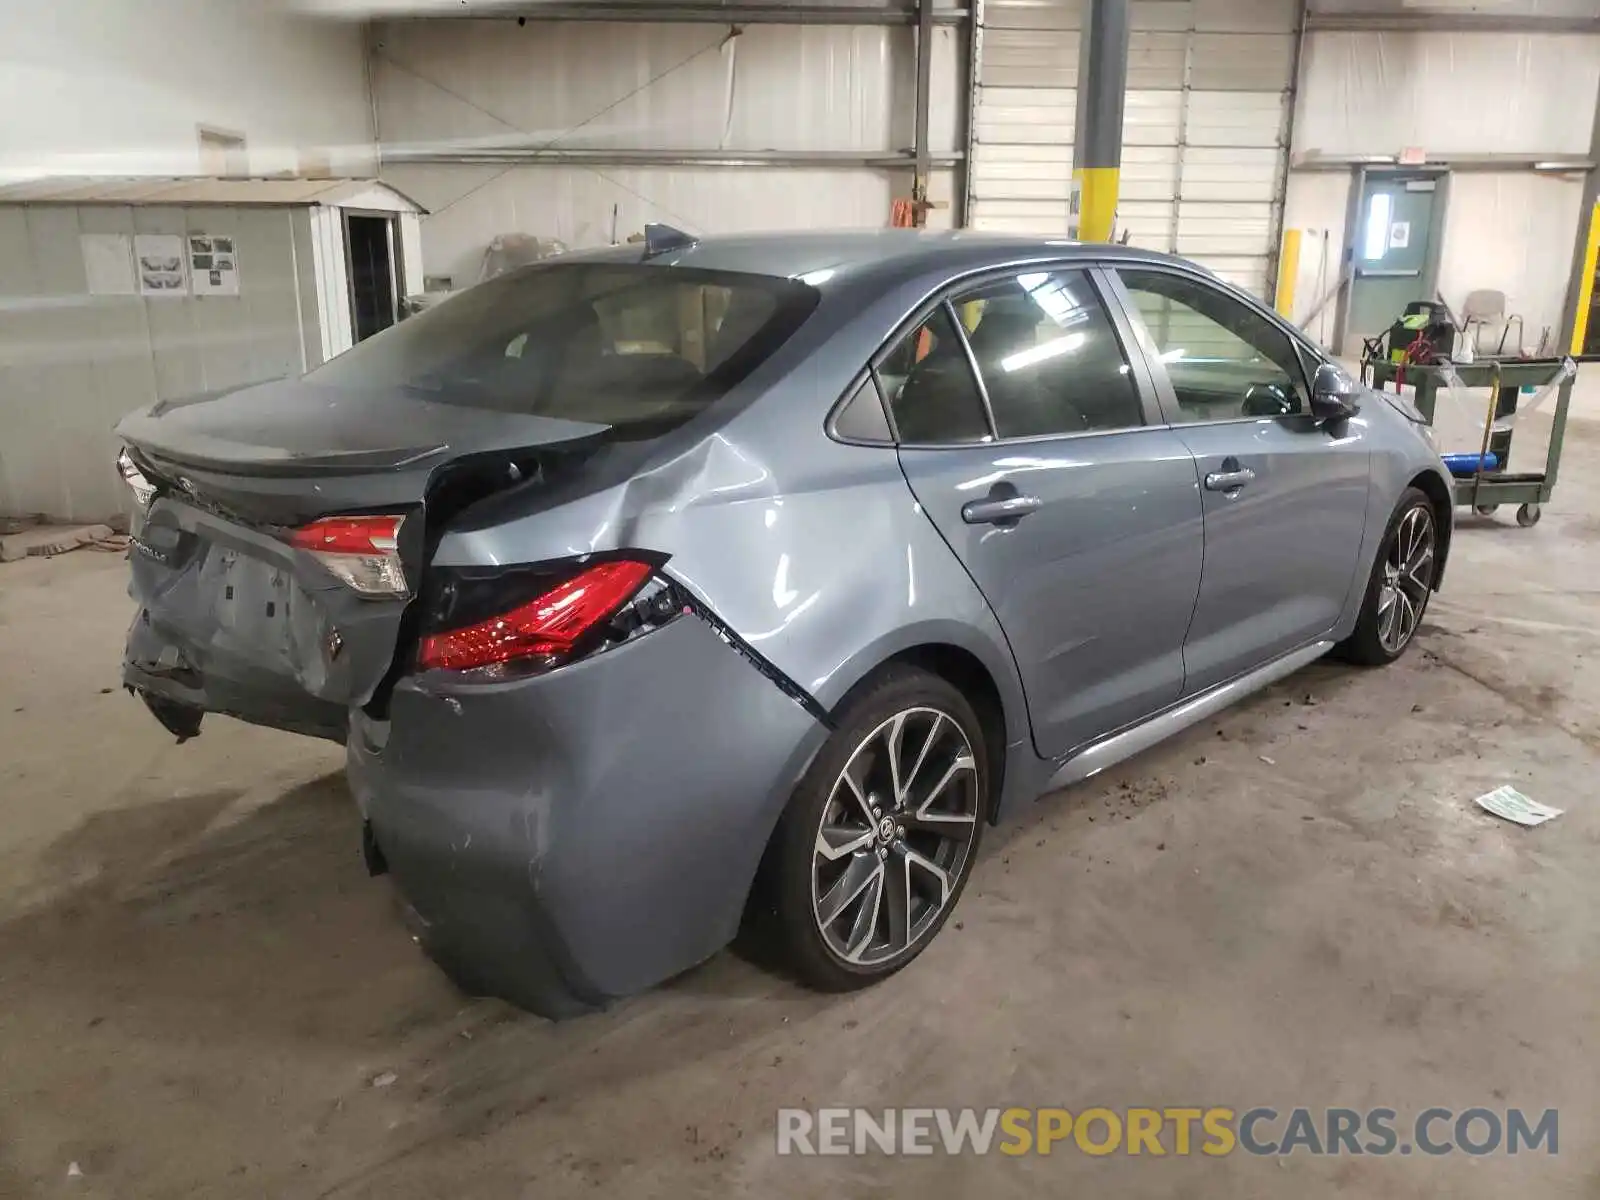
1034, 446
1284, 495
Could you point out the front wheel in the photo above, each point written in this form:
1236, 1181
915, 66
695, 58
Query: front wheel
1401, 582
878, 840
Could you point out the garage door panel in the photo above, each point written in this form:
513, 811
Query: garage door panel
1025, 189
1235, 118
1149, 224
1170, 15
1030, 58
1204, 116
1243, 62
1152, 118
1234, 16
1023, 216
1155, 60
1031, 15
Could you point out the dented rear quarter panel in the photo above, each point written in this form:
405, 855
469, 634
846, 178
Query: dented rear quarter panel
812, 551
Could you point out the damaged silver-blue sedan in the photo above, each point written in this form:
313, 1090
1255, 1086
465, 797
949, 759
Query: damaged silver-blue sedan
656, 586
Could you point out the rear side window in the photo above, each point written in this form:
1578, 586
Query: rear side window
636, 347
1049, 356
861, 418
930, 386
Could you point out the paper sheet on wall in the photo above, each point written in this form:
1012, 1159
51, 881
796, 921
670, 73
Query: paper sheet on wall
1399, 235
213, 265
159, 258
108, 264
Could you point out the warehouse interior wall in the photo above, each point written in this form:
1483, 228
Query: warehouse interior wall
1512, 232
1448, 93
452, 87
1316, 203
1466, 97
113, 87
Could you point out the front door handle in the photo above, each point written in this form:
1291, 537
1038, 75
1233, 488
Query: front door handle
999, 510
1230, 479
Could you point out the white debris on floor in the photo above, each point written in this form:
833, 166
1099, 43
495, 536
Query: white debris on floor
1505, 801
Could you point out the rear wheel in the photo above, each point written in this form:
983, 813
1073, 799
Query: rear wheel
1401, 582
878, 840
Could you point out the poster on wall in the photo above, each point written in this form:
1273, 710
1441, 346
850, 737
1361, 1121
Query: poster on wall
108, 264
159, 259
213, 265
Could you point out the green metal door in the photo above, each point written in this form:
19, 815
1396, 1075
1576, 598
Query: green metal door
1391, 243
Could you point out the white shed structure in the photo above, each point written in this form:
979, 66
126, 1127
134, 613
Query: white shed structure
117, 293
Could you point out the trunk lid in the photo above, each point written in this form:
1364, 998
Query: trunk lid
232, 618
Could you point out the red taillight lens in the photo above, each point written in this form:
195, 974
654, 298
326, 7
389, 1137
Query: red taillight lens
547, 626
361, 551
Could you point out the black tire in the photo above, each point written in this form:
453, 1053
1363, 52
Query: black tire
1366, 645
797, 893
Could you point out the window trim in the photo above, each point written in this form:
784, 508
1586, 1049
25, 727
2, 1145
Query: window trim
1163, 381
1093, 269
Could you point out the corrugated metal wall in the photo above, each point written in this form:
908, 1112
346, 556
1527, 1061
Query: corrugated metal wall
466, 84
1203, 134
72, 364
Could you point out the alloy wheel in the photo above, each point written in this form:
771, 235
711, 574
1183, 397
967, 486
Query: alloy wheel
1407, 578
896, 833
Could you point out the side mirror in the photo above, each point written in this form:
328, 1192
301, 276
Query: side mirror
1333, 393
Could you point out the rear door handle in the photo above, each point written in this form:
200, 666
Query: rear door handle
999, 510
1230, 479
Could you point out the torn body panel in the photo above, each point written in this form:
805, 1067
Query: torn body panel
546, 865
234, 620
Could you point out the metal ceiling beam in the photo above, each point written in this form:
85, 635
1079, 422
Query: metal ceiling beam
892, 160
698, 14
1389, 21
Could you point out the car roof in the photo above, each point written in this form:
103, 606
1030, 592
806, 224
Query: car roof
819, 256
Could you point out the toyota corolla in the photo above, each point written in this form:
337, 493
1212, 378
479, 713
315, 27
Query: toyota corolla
646, 585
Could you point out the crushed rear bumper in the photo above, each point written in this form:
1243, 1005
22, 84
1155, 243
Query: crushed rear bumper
574, 837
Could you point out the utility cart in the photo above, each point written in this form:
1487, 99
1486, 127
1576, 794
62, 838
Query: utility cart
1482, 481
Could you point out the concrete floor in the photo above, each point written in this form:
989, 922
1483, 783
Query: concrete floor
198, 982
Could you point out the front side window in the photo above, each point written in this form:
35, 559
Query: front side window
637, 347
1225, 360
1049, 356
930, 386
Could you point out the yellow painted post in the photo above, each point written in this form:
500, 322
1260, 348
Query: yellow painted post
1096, 189
1591, 257
1288, 273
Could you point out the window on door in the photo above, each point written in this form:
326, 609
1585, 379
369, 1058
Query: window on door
1375, 235
1049, 356
1225, 360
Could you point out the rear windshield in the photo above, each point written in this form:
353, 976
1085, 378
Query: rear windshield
637, 347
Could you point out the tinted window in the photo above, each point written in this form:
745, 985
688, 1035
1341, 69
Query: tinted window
862, 419
1049, 356
1225, 359
641, 348
930, 386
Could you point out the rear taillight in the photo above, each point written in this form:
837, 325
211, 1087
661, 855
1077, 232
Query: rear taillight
591, 606
362, 551
141, 487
